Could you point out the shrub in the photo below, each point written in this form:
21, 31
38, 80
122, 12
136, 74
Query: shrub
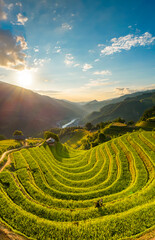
48, 134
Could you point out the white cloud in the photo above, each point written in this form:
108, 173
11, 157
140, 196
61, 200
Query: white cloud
36, 49
127, 42
3, 15
97, 83
19, 4
97, 60
22, 41
10, 6
69, 59
104, 72
57, 49
11, 51
21, 19
123, 91
39, 62
86, 67
91, 51
66, 27
76, 65
101, 45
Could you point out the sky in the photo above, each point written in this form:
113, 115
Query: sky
78, 50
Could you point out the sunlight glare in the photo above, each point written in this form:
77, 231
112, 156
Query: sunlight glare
25, 78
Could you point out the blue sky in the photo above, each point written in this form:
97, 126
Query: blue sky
78, 50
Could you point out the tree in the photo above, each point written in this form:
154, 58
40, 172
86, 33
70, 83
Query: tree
101, 137
149, 113
120, 120
18, 133
130, 123
89, 126
2, 137
48, 134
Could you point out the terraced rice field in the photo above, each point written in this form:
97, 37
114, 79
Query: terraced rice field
8, 144
50, 192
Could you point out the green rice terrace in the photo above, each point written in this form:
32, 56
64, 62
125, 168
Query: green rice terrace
107, 192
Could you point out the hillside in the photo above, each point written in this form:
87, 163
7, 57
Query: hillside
107, 192
30, 112
129, 109
97, 105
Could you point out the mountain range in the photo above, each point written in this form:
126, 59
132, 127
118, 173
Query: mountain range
32, 113
131, 108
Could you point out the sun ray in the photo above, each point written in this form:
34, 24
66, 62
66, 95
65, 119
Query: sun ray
24, 78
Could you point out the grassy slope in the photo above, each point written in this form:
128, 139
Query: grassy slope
52, 191
8, 144
73, 139
149, 123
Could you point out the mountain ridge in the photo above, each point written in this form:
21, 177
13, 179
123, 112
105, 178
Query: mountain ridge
31, 112
130, 108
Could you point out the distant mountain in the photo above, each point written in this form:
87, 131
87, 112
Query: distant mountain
97, 105
130, 108
30, 112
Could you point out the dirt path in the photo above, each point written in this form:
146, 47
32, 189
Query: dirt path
8, 234
14, 150
6, 164
5, 232
147, 236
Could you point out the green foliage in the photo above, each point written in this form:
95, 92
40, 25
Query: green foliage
89, 126
120, 120
52, 192
48, 134
148, 114
102, 125
18, 133
130, 123
34, 141
101, 137
2, 137
8, 144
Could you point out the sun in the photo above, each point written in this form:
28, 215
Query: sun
25, 78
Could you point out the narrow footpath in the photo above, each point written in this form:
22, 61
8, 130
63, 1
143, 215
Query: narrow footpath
13, 150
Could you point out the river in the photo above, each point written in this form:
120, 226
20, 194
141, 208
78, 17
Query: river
69, 123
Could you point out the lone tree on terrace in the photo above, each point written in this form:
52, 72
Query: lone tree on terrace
18, 133
48, 134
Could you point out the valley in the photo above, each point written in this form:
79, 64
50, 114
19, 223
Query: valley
51, 192
77, 120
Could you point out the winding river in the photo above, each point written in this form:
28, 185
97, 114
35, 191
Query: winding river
69, 123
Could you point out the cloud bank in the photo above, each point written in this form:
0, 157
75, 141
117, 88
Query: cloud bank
3, 15
127, 42
11, 51
104, 72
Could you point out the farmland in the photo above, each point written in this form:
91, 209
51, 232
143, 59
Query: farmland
8, 144
52, 192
